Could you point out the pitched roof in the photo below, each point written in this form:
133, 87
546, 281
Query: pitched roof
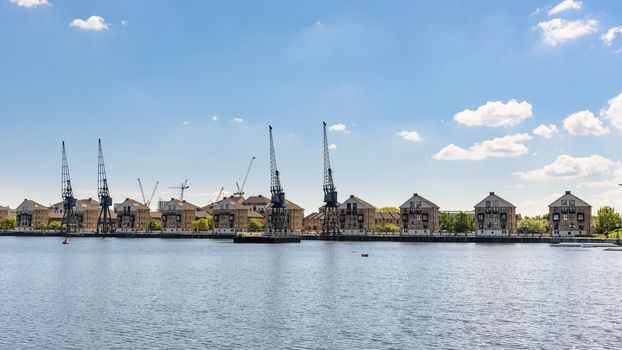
260, 199
567, 196
87, 204
252, 214
314, 216
492, 196
155, 215
289, 205
226, 203
387, 216
132, 202
182, 204
361, 204
34, 205
55, 215
417, 198
3, 207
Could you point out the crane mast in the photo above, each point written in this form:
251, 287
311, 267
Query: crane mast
105, 201
278, 218
184, 186
69, 201
240, 191
330, 225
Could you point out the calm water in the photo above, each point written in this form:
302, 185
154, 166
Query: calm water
197, 294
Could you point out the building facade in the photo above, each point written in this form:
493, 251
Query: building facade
4, 212
87, 213
132, 216
178, 215
257, 203
420, 217
295, 216
31, 215
356, 217
494, 216
229, 216
570, 216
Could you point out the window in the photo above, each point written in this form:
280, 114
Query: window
487, 204
565, 217
555, 216
564, 202
580, 217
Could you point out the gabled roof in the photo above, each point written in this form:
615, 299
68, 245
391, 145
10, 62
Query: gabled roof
3, 207
491, 197
132, 202
387, 216
260, 199
87, 204
155, 215
182, 204
34, 205
55, 215
361, 204
417, 198
289, 205
252, 214
224, 204
314, 216
201, 214
567, 196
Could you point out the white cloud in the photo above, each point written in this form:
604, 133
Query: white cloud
339, 127
589, 185
500, 147
124, 23
29, 3
613, 112
185, 123
237, 119
496, 114
215, 118
94, 23
568, 167
332, 146
565, 5
546, 131
412, 136
584, 123
610, 36
557, 30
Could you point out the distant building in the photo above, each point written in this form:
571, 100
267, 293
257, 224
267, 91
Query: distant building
420, 216
31, 215
313, 222
132, 216
178, 215
295, 215
87, 213
570, 216
356, 217
257, 203
494, 216
4, 212
230, 216
384, 218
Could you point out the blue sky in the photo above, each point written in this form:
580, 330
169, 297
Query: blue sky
400, 81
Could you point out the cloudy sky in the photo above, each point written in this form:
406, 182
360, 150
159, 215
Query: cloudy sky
449, 99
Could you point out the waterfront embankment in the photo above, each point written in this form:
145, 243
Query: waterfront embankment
343, 238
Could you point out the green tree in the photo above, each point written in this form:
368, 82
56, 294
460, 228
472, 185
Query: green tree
255, 225
8, 223
42, 226
536, 224
54, 225
457, 222
200, 225
388, 210
155, 225
607, 220
391, 228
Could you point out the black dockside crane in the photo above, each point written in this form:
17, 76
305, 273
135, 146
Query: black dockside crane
330, 225
69, 201
278, 219
104, 221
